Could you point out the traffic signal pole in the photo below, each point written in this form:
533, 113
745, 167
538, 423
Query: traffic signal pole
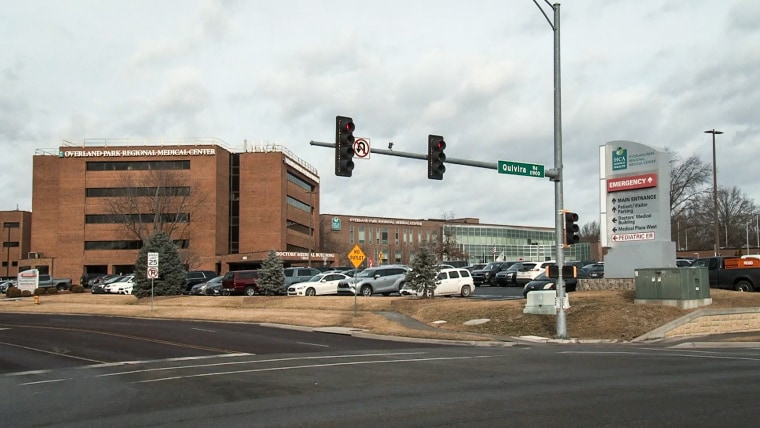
423, 156
558, 196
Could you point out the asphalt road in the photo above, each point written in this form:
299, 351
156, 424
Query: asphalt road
108, 371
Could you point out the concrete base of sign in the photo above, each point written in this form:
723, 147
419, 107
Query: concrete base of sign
680, 304
622, 260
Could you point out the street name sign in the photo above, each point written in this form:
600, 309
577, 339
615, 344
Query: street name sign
520, 168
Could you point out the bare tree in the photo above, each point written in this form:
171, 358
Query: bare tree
157, 200
687, 187
331, 245
735, 212
590, 232
687, 181
448, 248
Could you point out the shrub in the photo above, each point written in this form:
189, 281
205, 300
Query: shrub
38, 291
52, 290
26, 293
13, 292
77, 289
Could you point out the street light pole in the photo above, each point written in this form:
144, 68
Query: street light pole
747, 237
715, 191
559, 215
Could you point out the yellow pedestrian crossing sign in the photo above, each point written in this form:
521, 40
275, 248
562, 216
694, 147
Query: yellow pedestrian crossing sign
356, 256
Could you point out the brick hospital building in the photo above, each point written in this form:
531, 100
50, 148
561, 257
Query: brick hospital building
91, 203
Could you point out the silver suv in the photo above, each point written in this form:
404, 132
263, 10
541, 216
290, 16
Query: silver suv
376, 280
294, 275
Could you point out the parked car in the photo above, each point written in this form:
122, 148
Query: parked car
684, 262
594, 270
240, 282
531, 270
383, 280
543, 282
476, 266
122, 286
212, 287
508, 276
98, 287
449, 282
294, 275
325, 283
193, 277
100, 280
487, 275
5, 284
47, 281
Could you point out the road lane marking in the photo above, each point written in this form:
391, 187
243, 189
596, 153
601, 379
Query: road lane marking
271, 360
51, 352
44, 381
313, 344
129, 336
199, 357
310, 366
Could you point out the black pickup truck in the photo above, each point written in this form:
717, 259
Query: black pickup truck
731, 273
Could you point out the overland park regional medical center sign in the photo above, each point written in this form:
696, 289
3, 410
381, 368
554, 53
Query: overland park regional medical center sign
635, 193
634, 190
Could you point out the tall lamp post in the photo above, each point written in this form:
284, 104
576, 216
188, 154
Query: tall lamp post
556, 173
715, 191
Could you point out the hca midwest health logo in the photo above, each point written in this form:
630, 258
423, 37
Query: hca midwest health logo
619, 159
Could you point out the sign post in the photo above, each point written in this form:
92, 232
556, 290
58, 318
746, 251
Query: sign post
152, 273
356, 256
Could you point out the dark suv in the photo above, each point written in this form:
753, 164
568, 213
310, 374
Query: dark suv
240, 282
487, 275
193, 277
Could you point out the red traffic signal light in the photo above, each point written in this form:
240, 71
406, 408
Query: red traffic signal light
344, 146
436, 157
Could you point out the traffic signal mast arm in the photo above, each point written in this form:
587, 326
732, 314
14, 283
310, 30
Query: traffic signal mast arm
550, 173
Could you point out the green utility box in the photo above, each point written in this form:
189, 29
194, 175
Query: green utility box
676, 285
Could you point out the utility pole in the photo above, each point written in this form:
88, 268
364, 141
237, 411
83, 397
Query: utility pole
558, 196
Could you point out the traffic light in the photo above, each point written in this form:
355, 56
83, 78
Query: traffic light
567, 271
571, 228
344, 146
436, 157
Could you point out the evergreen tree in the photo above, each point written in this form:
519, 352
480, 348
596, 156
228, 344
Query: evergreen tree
424, 272
271, 276
171, 273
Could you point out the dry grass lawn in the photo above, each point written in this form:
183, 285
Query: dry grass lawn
592, 315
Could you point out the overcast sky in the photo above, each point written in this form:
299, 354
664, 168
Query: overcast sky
479, 73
